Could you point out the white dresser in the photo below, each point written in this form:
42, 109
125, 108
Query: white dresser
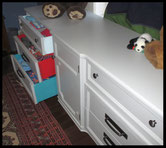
112, 93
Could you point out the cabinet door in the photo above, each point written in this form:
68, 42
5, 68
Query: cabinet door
69, 88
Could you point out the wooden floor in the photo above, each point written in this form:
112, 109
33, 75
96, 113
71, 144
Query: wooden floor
76, 137
74, 134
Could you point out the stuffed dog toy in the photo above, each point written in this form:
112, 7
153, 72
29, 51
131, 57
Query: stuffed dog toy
138, 44
75, 11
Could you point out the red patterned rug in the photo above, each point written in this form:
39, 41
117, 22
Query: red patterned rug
25, 123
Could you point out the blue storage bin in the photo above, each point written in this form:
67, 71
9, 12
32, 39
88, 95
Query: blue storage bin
38, 91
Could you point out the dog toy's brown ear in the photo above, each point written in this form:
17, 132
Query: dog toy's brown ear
53, 10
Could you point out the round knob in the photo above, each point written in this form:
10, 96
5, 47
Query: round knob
36, 40
152, 123
95, 75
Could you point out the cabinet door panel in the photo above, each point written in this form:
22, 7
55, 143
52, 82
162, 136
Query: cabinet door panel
69, 88
65, 53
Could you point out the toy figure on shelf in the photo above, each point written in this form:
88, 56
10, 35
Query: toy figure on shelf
138, 44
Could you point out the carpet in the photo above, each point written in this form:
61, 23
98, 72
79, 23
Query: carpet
25, 123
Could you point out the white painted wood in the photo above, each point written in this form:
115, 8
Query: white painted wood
31, 33
26, 81
120, 96
44, 44
33, 63
82, 94
18, 50
71, 111
65, 107
105, 43
69, 88
97, 131
99, 107
64, 52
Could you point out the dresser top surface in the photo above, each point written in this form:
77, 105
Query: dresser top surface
105, 43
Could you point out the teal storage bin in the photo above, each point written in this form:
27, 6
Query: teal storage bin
37, 91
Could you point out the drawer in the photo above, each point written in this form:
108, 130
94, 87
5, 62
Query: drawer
135, 110
37, 91
28, 57
99, 132
44, 68
43, 42
65, 54
114, 120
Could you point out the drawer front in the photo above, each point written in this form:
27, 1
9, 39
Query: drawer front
97, 78
24, 78
99, 132
115, 122
28, 58
64, 53
44, 44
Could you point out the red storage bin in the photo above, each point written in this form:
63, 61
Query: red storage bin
47, 65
